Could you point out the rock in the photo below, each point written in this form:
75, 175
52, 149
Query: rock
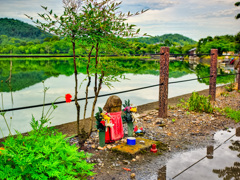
109, 146
133, 175
101, 148
126, 162
137, 157
93, 146
143, 115
133, 160
115, 164
162, 125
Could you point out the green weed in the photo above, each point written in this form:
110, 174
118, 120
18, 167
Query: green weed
199, 103
44, 154
224, 94
187, 113
230, 87
233, 114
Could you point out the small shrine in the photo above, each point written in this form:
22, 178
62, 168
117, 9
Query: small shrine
110, 121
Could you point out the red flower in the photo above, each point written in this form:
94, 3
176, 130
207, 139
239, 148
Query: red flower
68, 98
103, 123
1, 148
135, 129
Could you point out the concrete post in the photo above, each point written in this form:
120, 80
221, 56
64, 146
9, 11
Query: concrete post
163, 89
213, 74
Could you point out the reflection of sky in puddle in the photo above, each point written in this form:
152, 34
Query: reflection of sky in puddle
222, 157
193, 164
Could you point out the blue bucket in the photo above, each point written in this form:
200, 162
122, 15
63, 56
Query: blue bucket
131, 141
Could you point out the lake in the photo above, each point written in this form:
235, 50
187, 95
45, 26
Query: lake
27, 76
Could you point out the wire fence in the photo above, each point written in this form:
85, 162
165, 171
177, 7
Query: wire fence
109, 94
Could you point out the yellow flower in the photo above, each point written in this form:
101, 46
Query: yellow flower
105, 117
133, 109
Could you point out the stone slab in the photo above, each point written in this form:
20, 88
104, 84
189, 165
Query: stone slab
134, 149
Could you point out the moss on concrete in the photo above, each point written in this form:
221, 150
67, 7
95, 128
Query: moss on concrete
134, 149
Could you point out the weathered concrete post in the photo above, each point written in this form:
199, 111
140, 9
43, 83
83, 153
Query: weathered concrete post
213, 74
163, 89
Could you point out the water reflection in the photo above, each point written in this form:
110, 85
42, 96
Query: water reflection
232, 172
210, 150
162, 173
26, 87
206, 163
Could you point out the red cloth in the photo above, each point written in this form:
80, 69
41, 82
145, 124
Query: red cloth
116, 132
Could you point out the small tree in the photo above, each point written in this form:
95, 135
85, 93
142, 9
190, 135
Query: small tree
90, 22
69, 25
104, 24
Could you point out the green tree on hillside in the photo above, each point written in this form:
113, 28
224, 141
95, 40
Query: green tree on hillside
19, 29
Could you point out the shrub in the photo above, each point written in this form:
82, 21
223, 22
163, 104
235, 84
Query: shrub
199, 103
233, 114
230, 87
44, 154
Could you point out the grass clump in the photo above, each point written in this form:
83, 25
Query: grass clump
198, 103
231, 113
230, 87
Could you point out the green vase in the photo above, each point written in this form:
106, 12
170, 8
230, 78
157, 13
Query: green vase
101, 138
130, 129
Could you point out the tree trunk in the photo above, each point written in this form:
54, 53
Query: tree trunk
89, 82
96, 89
95, 100
76, 91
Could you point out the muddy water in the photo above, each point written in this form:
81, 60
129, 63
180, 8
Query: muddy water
218, 160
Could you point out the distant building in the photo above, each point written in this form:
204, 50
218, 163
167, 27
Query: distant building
192, 51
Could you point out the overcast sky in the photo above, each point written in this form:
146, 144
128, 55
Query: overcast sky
192, 18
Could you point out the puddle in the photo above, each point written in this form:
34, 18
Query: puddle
218, 160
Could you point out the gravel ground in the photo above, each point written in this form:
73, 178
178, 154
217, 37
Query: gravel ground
180, 131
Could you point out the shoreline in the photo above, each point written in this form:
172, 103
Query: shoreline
70, 128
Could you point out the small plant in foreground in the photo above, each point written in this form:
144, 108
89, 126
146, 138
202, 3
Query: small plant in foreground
42, 154
224, 94
199, 103
233, 114
230, 87
187, 113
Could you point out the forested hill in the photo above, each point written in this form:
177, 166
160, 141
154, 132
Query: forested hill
165, 39
18, 29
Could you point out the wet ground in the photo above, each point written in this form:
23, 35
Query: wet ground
218, 159
186, 138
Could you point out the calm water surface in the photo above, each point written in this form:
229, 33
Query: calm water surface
26, 87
